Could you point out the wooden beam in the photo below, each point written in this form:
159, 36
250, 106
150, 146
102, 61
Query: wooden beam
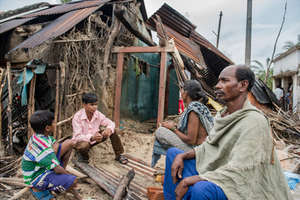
31, 103
93, 174
118, 90
155, 49
9, 108
136, 26
56, 103
162, 88
124, 183
2, 79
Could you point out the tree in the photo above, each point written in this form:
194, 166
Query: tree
289, 44
260, 71
65, 1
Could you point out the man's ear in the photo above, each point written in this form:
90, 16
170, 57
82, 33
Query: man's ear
244, 85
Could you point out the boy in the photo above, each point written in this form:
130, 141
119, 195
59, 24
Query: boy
86, 124
44, 160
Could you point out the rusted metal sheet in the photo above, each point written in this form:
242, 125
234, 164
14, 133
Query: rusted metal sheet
187, 40
204, 42
57, 27
6, 26
60, 9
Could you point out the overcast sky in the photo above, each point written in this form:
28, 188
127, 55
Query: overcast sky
267, 17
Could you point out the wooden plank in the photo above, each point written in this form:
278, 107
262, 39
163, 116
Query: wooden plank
136, 26
93, 174
118, 89
162, 88
134, 185
154, 49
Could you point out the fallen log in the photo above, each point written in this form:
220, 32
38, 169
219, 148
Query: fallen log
124, 184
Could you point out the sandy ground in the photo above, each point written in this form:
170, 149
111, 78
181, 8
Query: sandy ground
137, 139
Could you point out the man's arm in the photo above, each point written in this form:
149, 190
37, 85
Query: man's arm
177, 166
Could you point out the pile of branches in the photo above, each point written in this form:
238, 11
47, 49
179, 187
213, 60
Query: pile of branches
285, 127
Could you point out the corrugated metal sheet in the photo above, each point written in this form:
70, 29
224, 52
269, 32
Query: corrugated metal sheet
187, 34
13, 24
57, 27
60, 9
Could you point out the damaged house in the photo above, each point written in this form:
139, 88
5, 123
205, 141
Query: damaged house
75, 48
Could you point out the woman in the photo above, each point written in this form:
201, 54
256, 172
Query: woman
193, 127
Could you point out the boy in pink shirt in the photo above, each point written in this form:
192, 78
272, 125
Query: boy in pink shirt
86, 130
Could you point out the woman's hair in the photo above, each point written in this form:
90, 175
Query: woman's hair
194, 90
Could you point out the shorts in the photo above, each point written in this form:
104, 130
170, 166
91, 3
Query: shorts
49, 180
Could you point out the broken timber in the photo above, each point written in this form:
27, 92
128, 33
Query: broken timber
103, 181
131, 21
124, 183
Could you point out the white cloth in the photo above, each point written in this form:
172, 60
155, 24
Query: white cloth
279, 93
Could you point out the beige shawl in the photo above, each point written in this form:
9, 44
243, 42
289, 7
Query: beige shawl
238, 157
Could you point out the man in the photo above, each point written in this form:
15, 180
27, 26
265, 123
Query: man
237, 161
278, 92
87, 123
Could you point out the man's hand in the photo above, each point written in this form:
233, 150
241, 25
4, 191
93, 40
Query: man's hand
184, 184
106, 133
181, 189
169, 124
177, 167
97, 137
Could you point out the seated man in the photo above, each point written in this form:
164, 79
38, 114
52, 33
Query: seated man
237, 161
44, 161
86, 130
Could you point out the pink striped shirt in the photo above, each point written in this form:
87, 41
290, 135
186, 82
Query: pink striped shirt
83, 129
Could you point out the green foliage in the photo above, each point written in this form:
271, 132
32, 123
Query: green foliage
289, 44
260, 71
65, 1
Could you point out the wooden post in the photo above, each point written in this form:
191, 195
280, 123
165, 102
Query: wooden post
2, 79
9, 110
31, 103
120, 61
56, 104
162, 88
62, 91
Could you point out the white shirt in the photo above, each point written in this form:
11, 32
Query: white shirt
279, 93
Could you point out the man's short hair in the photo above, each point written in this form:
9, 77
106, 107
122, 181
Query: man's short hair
245, 73
89, 98
40, 119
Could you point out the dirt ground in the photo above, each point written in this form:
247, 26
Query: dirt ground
137, 139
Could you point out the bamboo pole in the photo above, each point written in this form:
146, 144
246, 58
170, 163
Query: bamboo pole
31, 104
9, 110
62, 90
56, 103
2, 79
20, 193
